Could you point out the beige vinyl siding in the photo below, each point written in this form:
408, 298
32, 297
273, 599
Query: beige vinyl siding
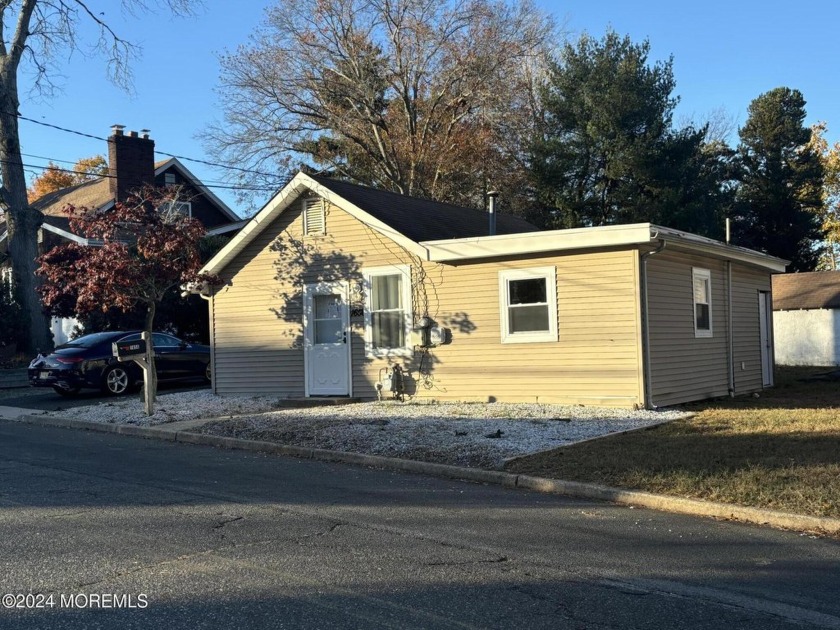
684, 367
594, 361
255, 350
746, 284
258, 341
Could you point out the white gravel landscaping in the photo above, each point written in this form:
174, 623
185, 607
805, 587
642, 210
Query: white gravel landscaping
467, 434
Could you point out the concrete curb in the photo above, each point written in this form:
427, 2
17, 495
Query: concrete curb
574, 489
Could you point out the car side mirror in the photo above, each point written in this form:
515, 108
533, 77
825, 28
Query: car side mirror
183, 345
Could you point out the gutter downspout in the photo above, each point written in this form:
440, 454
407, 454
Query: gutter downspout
196, 288
730, 339
210, 305
645, 323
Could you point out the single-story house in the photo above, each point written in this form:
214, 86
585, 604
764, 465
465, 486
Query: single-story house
806, 318
335, 289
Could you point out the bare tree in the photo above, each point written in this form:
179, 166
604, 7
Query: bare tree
31, 33
417, 96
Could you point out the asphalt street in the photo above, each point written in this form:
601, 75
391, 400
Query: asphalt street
122, 532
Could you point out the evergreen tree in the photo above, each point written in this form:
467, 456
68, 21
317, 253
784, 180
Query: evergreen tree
780, 196
607, 153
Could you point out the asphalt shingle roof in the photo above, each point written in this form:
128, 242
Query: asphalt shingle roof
423, 219
814, 290
92, 195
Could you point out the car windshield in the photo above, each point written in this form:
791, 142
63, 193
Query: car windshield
88, 341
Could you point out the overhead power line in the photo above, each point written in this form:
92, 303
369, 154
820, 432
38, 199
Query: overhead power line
172, 155
95, 175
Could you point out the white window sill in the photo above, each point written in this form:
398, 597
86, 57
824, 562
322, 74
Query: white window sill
528, 338
384, 353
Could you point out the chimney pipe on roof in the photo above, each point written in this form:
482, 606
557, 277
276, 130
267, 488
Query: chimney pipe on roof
491, 211
117, 130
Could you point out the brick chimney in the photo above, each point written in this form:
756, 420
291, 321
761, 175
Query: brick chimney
131, 161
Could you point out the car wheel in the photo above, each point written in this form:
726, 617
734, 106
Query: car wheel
208, 374
66, 391
116, 381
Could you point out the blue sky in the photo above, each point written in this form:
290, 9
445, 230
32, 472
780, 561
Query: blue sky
725, 54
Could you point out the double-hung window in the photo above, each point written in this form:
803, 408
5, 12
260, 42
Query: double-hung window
528, 305
702, 288
388, 311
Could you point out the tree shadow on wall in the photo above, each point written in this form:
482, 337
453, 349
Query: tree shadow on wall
299, 263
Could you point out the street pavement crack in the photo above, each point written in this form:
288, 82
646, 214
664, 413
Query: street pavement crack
222, 523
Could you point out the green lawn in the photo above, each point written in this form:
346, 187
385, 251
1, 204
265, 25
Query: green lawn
780, 450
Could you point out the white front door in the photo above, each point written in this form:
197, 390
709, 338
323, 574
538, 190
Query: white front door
764, 322
326, 327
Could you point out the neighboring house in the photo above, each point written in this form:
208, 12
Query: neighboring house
806, 318
131, 166
331, 285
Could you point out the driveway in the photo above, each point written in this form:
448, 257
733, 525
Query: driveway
216, 539
45, 399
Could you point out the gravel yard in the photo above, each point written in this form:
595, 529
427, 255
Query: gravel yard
469, 434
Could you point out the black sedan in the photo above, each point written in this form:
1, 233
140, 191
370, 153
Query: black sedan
88, 362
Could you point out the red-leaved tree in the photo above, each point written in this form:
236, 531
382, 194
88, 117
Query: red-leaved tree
137, 252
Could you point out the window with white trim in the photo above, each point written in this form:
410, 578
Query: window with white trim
388, 311
314, 216
702, 290
169, 179
528, 305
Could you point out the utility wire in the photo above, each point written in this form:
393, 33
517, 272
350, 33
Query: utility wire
95, 175
205, 182
180, 157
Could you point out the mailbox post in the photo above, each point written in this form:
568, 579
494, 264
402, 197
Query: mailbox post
140, 351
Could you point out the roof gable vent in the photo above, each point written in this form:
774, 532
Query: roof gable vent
314, 220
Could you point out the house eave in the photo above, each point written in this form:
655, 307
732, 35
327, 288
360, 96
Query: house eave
708, 246
75, 238
602, 237
452, 250
282, 201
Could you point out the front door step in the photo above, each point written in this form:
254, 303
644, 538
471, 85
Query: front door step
318, 401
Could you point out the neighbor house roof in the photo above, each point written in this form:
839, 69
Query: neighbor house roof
96, 194
444, 233
799, 291
93, 194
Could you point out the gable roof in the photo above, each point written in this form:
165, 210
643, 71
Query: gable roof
423, 219
96, 194
444, 233
387, 213
174, 163
812, 290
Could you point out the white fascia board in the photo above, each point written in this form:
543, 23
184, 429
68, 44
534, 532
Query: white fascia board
451, 250
65, 234
224, 229
704, 245
193, 180
270, 211
370, 221
280, 203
